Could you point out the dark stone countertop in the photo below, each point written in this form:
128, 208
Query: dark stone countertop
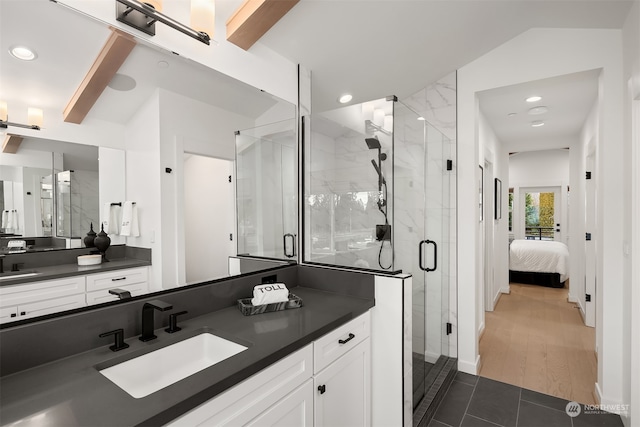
65, 270
71, 391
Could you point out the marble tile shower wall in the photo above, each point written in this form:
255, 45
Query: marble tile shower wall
83, 208
341, 164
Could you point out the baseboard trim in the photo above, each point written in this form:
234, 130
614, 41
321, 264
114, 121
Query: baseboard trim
469, 367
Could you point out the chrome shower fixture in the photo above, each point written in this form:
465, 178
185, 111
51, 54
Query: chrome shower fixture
371, 127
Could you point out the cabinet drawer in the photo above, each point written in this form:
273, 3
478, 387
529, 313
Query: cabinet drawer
40, 308
339, 341
39, 291
8, 314
253, 396
103, 295
116, 279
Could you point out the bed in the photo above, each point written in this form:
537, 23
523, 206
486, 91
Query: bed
539, 262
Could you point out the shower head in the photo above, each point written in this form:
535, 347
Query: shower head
373, 143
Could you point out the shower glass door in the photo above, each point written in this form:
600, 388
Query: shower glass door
266, 190
422, 213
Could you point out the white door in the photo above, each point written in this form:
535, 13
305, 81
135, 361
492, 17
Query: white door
590, 245
209, 212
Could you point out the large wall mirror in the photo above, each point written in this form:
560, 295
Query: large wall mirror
158, 115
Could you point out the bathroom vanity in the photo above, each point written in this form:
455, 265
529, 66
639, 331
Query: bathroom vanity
51, 282
304, 365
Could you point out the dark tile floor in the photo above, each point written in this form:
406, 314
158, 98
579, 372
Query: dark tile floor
473, 401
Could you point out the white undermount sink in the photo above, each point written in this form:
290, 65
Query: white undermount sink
154, 371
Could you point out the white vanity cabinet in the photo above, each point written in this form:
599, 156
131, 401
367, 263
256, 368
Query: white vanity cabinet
288, 393
23, 301
134, 280
342, 380
18, 302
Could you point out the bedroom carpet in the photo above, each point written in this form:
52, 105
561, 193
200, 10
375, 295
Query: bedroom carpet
537, 340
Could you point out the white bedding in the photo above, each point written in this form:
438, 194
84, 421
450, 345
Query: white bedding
539, 256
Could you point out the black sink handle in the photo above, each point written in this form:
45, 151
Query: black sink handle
119, 339
173, 322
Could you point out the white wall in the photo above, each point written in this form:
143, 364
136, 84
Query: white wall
143, 170
533, 55
631, 248
194, 127
496, 231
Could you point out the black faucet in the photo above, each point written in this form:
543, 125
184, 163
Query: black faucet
147, 317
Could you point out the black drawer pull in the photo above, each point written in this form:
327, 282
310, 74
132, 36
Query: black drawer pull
351, 336
23, 313
14, 315
322, 388
119, 278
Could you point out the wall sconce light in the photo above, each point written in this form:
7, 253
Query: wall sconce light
144, 15
34, 118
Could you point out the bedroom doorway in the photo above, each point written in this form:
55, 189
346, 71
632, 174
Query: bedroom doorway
541, 209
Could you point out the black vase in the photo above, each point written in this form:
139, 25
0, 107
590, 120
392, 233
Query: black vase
102, 243
89, 238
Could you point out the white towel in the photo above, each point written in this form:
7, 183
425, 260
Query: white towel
270, 293
12, 222
129, 220
111, 218
5, 218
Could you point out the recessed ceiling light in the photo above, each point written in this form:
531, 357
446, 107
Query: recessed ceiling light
541, 109
345, 98
537, 124
163, 64
421, 118
512, 114
23, 53
534, 98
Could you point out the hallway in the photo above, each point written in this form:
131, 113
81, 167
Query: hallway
537, 340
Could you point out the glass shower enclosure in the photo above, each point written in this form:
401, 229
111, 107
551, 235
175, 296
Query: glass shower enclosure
377, 196
266, 190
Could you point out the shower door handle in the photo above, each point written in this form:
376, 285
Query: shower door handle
435, 255
293, 245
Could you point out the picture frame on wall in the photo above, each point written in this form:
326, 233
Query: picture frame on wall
481, 193
497, 198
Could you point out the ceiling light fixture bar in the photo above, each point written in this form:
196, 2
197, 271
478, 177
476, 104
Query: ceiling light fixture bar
4, 124
143, 17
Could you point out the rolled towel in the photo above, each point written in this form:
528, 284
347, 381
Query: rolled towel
5, 219
270, 293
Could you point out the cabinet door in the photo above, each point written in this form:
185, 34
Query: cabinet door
295, 410
343, 390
